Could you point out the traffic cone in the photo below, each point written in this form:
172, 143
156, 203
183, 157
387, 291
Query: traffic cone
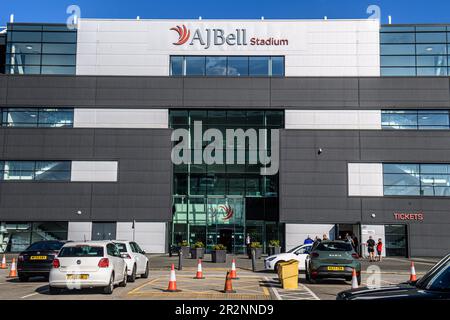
172, 281
228, 284
199, 274
354, 280
3, 265
13, 271
413, 276
233, 274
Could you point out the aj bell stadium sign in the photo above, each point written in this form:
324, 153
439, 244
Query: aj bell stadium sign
218, 37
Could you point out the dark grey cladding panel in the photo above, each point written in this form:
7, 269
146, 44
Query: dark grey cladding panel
3, 89
313, 188
400, 92
51, 144
404, 146
51, 90
429, 239
143, 190
139, 91
227, 92
314, 93
27, 201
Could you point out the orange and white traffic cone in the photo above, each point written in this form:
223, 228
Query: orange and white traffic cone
13, 271
199, 274
354, 280
413, 276
228, 284
3, 265
172, 281
233, 274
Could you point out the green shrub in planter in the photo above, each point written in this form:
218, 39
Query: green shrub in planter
198, 250
274, 247
219, 253
257, 248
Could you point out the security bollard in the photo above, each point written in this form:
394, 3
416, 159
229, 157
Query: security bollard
180, 260
253, 260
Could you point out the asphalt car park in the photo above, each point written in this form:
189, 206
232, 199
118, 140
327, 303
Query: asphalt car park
259, 285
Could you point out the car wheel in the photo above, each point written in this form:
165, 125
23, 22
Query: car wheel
23, 278
53, 290
110, 287
123, 284
132, 278
145, 275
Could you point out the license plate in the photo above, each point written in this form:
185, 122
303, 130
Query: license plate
335, 269
38, 258
77, 276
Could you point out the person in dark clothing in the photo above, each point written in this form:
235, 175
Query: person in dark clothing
371, 248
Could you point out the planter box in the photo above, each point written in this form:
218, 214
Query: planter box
274, 250
197, 253
258, 253
219, 256
185, 251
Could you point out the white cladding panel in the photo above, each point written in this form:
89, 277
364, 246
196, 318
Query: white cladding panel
297, 233
377, 232
333, 119
94, 171
315, 47
365, 179
79, 231
121, 118
150, 236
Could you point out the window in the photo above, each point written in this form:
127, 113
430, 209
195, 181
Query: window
41, 49
414, 51
35, 170
81, 251
417, 179
38, 117
231, 66
415, 119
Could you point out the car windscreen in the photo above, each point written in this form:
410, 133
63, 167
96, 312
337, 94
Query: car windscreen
439, 280
122, 247
45, 246
81, 251
334, 246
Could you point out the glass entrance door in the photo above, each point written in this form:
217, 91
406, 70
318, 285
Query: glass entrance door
225, 223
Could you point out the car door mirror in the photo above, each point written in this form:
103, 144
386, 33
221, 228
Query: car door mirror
142, 252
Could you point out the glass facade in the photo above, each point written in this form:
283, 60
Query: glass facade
35, 170
37, 117
40, 49
17, 236
205, 195
227, 66
415, 50
431, 180
415, 119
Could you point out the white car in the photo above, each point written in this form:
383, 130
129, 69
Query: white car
298, 253
135, 258
90, 264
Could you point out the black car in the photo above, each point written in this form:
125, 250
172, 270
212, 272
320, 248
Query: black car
37, 259
434, 285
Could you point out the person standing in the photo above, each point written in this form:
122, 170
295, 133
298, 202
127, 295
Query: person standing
324, 237
248, 242
308, 240
371, 248
379, 249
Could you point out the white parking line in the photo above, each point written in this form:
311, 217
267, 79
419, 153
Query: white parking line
33, 294
275, 292
310, 292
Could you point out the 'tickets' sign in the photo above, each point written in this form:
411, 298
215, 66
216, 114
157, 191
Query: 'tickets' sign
409, 216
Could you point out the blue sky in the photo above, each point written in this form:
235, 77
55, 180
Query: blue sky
402, 11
